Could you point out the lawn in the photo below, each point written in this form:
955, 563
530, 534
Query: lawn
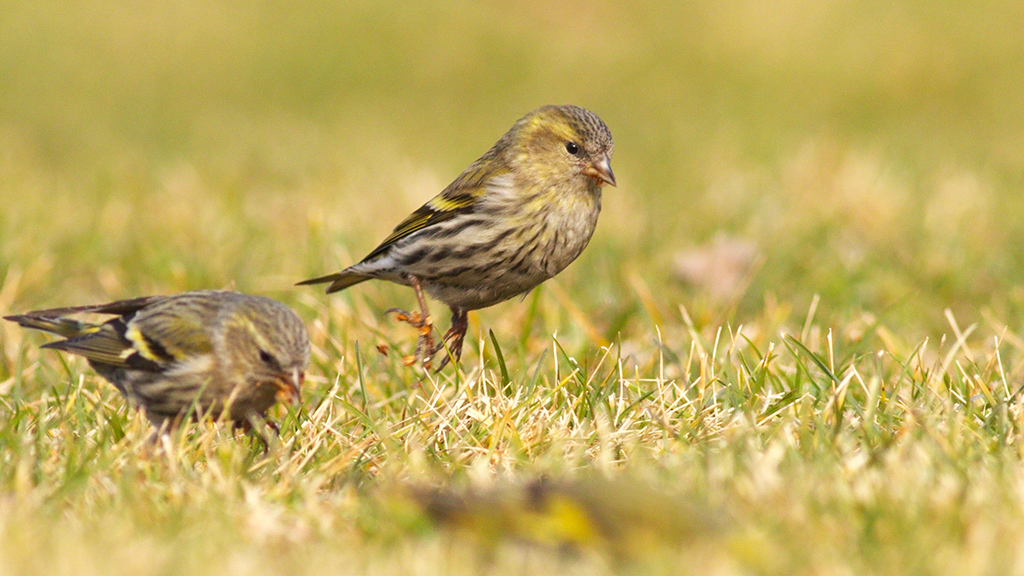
795, 344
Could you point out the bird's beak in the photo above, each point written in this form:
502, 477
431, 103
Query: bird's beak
601, 170
290, 387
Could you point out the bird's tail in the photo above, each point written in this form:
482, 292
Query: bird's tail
338, 280
65, 327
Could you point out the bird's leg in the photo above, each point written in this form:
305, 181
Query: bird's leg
273, 427
425, 343
260, 428
264, 437
452, 340
420, 320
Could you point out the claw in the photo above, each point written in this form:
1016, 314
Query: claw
273, 427
412, 318
444, 362
453, 338
420, 320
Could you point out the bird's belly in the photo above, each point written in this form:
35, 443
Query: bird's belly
527, 257
482, 291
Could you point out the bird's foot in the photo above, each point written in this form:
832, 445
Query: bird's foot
451, 342
414, 319
260, 428
273, 427
450, 347
425, 342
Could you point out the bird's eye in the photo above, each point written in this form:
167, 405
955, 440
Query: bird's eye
572, 148
266, 358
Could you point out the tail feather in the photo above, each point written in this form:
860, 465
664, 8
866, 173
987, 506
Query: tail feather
118, 308
338, 280
65, 327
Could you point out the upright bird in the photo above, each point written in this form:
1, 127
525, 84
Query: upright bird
516, 217
207, 351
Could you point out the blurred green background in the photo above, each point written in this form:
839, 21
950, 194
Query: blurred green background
868, 152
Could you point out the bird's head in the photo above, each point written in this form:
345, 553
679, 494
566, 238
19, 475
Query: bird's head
559, 142
267, 345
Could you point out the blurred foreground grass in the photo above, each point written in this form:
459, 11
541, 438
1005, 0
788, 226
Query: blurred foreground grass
844, 173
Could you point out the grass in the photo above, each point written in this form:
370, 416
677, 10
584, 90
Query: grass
837, 389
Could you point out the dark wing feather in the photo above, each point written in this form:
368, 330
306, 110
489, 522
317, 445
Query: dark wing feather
118, 308
460, 197
106, 345
103, 343
56, 320
65, 327
170, 329
445, 206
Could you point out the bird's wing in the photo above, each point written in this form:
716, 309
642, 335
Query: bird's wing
460, 197
177, 332
118, 308
106, 345
152, 340
66, 327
